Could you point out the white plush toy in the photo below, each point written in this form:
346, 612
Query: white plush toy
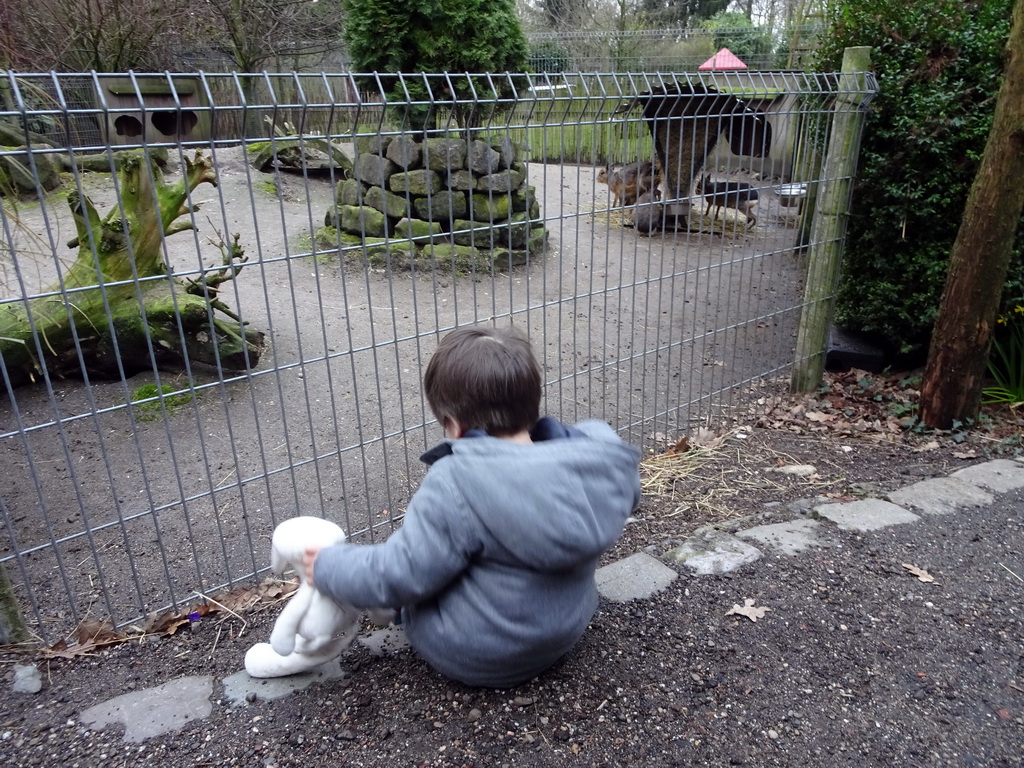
312, 628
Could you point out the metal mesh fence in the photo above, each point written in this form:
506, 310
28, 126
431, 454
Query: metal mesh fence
680, 49
219, 292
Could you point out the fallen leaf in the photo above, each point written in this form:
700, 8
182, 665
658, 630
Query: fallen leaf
1003, 713
95, 632
169, 622
90, 636
800, 470
748, 610
922, 575
706, 438
819, 416
682, 446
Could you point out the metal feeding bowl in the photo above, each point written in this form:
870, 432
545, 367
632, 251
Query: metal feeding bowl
791, 194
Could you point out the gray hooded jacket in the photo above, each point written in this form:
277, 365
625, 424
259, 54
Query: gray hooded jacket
494, 564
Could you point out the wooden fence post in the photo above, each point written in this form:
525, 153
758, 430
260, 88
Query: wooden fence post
828, 227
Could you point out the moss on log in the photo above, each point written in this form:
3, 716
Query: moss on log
117, 310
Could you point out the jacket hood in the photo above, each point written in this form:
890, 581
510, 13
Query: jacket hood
551, 505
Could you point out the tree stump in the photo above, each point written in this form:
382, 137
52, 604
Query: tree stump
118, 310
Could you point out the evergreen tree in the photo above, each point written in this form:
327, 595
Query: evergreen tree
680, 13
735, 31
436, 36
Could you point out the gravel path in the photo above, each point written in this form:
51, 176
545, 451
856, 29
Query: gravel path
856, 662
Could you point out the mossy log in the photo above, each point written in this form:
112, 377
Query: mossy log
118, 310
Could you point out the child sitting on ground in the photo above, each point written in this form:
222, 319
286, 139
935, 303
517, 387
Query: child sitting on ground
493, 566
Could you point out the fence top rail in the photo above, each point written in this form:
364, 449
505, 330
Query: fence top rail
31, 91
679, 33
88, 111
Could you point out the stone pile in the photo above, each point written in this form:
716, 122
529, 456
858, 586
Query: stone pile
456, 202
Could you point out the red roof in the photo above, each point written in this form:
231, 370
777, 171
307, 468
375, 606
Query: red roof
724, 59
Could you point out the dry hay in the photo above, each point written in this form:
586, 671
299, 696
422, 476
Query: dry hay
701, 481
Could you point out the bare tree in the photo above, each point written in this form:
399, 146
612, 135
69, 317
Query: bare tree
563, 14
681, 13
83, 35
255, 32
980, 259
153, 35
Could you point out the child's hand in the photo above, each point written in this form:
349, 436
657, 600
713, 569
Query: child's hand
308, 561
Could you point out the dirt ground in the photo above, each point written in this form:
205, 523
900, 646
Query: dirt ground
855, 664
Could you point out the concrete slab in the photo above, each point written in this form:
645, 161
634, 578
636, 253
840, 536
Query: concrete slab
633, 578
1000, 475
154, 711
240, 685
866, 514
940, 496
710, 552
384, 641
789, 538
27, 679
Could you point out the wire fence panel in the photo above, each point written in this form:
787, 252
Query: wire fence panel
220, 292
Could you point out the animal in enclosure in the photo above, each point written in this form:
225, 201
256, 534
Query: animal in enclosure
649, 214
686, 121
312, 628
628, 182
738, 195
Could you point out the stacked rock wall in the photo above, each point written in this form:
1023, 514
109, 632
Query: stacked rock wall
465, 203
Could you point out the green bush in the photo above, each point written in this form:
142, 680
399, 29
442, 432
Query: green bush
939, 65
733, 30
1006, 366
457, 36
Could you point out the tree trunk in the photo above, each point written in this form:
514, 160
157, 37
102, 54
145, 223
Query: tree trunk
978, 263
117, 310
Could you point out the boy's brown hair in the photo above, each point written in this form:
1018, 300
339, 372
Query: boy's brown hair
485, 378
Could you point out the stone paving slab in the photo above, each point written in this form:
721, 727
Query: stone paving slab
241, 688
789, 538
27, 679
1001, 475
866, 514
941, 495
709, 551
154, 711
633, 578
